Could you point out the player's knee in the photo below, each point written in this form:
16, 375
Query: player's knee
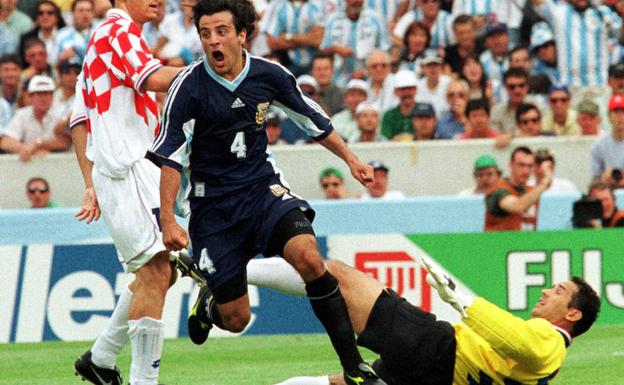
309, 264
236, 321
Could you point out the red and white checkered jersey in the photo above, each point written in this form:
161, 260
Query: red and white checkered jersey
121, 119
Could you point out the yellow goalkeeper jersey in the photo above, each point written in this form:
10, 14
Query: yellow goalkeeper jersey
495, 347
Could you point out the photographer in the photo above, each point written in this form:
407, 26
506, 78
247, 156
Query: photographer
611, 216
607, 152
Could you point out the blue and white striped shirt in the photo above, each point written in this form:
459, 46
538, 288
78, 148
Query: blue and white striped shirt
494, 69
384, 9
363, 35
441, 31
581, 38
297, 20
473, 7
70, 37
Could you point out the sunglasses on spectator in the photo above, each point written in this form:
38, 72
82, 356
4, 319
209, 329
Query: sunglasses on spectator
42, 190
558, 100
378, 65
332, 184
484, 173
43, 12
513, 86
529, 120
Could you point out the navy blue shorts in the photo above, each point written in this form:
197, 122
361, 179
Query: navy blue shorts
227, 233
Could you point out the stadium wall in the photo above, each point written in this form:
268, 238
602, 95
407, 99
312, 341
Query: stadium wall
60, 278
416, 168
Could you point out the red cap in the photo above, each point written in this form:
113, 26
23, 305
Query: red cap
616, 103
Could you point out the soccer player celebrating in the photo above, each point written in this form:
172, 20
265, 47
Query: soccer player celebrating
215, 116
489, 346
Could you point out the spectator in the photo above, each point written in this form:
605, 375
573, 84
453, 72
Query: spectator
37, 59
63, 98
8, 41
415, 42
367, 119
616, 87
437, 20
486, 174
15, 20
151, 30
424, 122
519, 57
297, 29
274, 129
529, 121
432, 87
588, 118
291, 132
545, 52
398, 120
378, 189
495, 60
478, 121
350, 35
329, 94
561, 119
380, 81
38, 193
516, 82
607, 152
9, 80
344, 121
558, 185
332, 183
510, 203
30, 133
451, 123
581, 34
183, 45
48, 22
480, 86
611, 216
465, 32
71, 41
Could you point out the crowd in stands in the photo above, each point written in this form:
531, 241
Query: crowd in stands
382, 70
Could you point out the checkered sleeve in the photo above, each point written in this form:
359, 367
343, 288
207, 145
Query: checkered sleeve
79, 109
136, 59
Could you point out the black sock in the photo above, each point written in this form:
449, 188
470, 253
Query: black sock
331, 309
213, 314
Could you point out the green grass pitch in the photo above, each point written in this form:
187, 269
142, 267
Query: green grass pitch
594, 359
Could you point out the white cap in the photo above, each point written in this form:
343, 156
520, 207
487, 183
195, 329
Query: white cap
365, 106
41, 83
404, 79
307, 80
357, 84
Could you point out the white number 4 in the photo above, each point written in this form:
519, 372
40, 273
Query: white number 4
238, 146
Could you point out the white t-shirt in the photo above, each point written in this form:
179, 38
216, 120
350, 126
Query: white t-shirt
24, 127
389, 195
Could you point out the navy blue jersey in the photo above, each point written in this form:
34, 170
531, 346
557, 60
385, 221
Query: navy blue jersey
220, 125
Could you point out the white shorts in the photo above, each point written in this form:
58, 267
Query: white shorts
131, 209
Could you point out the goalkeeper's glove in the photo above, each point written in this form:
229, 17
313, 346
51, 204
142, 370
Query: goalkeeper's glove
445, 287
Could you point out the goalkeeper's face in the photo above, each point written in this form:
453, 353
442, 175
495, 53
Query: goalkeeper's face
554, 305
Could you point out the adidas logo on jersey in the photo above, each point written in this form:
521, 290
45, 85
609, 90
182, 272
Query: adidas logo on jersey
237, 103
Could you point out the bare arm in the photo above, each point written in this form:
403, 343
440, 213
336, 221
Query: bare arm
10, 144
311, 39
160, 79
174, 236
360, 171
90, 209
513, 204
278, 43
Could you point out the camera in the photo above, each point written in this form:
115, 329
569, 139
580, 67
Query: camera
616, 174
585, 210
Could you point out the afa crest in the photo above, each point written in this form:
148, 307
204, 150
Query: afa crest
261, 112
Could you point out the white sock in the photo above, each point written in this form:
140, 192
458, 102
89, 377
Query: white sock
306, 381
275, 273
111, 341
146, 337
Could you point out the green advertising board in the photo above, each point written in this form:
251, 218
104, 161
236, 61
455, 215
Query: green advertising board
511, 268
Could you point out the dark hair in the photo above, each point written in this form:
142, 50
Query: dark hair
75, 2
463, 19
10, 58
515, 73
522, 149
33, 41
542, 155
243, 13
414, 26
524, 108
587, 302
600, 185
517, 49
322, 56
38, 179
477, 104
484, 78
60, 22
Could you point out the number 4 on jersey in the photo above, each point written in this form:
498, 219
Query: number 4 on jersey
238, 146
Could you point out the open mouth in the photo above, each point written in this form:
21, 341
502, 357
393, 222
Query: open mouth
218, 56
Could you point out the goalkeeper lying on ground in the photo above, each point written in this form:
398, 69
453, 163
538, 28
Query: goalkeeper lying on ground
490, 346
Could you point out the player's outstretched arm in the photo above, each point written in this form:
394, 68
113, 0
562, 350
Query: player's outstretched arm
445, 287
362, 172
160, 79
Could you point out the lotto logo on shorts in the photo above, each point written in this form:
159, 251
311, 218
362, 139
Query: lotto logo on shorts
398, 271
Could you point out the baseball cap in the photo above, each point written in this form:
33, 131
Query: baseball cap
616, 102
431, 56
493, 28
366, 106
423, 109
41, 83
404, 79
588, 107
307, 80
378, 165
540, 35
558, 87
357, 84
485, 161
328, 171
616, 70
